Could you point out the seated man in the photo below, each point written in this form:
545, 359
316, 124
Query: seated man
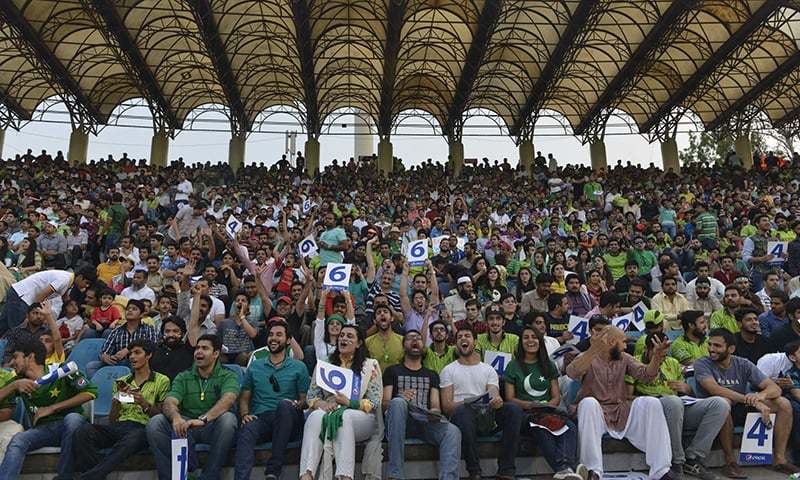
703, 419
125, 433
54, 409
465, 379
271, 404
724, 374
409, 383
197, 407
115, 349
693, 344
604, 406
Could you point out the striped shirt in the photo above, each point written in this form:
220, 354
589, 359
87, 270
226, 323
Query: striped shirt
120, 337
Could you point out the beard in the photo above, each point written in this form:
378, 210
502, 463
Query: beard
172, 342
615, 353
278, 349
464, 294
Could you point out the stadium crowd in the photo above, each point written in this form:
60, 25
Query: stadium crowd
523, 321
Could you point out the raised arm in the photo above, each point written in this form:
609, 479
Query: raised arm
370, 260
193, 328
435, 295
58, 344
405, 304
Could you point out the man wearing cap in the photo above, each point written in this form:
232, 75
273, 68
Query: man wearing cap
407, 385
386, 346
693, 344
653, 323
139, 289
456, 303
115, 349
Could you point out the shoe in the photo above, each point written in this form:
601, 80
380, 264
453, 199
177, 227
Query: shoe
733, 470
567, 474
270, 476
583, 471
697, 470
594, 475
674, 473
786, 468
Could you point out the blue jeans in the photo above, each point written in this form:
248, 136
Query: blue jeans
560, 451
124, 438
400, 426
13, 313
279, 426
218, 434
508, 418
54, 434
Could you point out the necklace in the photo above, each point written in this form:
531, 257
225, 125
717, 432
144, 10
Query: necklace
203, 387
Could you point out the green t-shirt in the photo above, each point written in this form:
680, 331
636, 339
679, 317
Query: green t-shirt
684, 350
196, 396
706, 226
436, 362
671, 370
154, 390
119, 215
291, 376
723, 319
62, 389
507, 345
616, 264
6, 377
530, 384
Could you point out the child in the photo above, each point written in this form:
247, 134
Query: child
105, 315
71, 324
54, 348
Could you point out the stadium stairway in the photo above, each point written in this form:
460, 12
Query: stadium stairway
420, 461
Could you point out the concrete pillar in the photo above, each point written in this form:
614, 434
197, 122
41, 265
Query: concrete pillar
363, 145
385, 157
597, 152
78, 146
456, 157
311, 152
744, 150
236, 152
669, 156
527, 156
159, 149
2, 140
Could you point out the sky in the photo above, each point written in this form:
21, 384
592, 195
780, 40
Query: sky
414, 146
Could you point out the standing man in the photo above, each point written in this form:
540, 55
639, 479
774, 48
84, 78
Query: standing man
410, 384
604, 406
198, 408
754, 250
271, 404
55, 409
465, 379
125, 433
332, 242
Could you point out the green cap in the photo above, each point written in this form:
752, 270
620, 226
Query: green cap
335, 318
654, 317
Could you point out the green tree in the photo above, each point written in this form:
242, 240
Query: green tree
706, 148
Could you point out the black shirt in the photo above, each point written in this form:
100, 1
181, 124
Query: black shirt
402, 378
751, 351
171, 362
780, 337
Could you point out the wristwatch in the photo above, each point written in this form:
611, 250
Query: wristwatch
204, 419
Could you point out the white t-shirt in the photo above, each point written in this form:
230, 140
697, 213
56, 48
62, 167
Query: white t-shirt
217, 307
774, 365
31, 287
468, 380
144, 293
184, 189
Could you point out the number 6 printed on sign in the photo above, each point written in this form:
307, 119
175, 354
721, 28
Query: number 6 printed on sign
334, 379
308, 247
337, 276
417, 253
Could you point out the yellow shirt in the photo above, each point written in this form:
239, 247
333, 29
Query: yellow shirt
107, 271
55, 359
387, 352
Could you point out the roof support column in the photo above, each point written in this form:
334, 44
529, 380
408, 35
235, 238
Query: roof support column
311, 152
2, 141
669, 156
597, 153
159, 149
78, 146
456, 157
526, 156
744, 150
385, 157
236, 149
363, 145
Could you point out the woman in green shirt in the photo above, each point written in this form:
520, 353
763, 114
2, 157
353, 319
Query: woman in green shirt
531, 381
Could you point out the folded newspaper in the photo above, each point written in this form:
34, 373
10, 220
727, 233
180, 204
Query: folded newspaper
424, 415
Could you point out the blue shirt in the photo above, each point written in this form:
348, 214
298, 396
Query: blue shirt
331, 237
769, 322
291, 376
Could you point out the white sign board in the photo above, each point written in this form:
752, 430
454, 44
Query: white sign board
757, 440
232, 226
308, 205
579, 326
417, 253
638, 315
180, 458
497, 360
622, 321
334, 379
779, 250
308, 247
337, 276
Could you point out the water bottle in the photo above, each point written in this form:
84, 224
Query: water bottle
794, 476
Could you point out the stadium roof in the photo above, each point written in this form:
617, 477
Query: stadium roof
726, 61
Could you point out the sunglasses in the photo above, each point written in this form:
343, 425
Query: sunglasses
275, 385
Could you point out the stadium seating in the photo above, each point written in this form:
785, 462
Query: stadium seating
104, 380
86, 351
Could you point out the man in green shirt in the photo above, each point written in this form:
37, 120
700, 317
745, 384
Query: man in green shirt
693, 344
726, 318
8, 428
653, 322
198, 408
54, 408
117, 221
136, 397
385, 346
439, 354
706, 226
496, 339
615, 258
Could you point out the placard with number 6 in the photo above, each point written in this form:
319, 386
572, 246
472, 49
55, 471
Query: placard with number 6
334, 379
417, 253
337, 276
308, 247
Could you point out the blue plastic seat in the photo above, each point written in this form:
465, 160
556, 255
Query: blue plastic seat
3, 343
674, 334
104, 380
237, 369
86, 351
